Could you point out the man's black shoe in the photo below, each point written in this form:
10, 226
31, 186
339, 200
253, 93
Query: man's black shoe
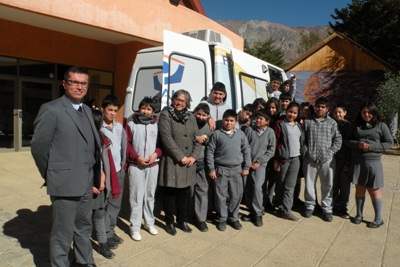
184, 227
170, 228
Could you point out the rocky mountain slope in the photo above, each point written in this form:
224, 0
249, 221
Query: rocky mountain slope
285, 37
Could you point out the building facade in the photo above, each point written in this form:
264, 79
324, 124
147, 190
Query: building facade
341, 70
41, 39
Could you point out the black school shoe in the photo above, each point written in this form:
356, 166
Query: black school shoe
375, 224
221, 226
184, 227
170, 228
308, 213
246, 218
202, 226
105, 250
111, 243
117, 239
327, 216
235, 225
257, 221
357, 220
341, 213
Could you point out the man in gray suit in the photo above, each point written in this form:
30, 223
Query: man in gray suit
66, 148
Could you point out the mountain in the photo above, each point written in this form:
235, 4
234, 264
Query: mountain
286, 38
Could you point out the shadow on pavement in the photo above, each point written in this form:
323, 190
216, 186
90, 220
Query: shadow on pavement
32, 231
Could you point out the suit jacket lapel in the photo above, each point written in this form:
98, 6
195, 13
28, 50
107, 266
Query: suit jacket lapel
69, 109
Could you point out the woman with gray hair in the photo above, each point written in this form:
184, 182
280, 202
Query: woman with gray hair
177, 130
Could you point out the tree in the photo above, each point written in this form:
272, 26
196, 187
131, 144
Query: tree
267, 51
307, 41
247, 47
389, 97
374, 24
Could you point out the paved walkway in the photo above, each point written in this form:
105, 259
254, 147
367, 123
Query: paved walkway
25, 218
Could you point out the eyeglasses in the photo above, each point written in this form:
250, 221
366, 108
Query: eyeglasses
179, 101
76, 83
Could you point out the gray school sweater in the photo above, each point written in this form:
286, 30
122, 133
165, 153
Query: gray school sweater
262, 146
379, 139
204, 130
228, 151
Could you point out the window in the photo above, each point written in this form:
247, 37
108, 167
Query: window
148, 84
186, 73
252, 88
37, 69
8, 65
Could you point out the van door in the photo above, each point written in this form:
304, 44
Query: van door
186, 65
145, 80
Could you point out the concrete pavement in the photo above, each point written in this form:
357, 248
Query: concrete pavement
25, 216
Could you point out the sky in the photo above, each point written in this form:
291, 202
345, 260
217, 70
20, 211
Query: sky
290, 13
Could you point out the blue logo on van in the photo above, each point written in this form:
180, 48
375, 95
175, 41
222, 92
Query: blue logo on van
175, 77
156, 81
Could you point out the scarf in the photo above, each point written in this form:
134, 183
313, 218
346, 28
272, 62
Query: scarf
143, 119
201, 123
179, 116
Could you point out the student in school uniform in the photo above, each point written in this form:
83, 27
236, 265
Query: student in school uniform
228, 159
262, 146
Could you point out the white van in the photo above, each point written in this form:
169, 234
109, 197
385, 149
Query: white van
194, 61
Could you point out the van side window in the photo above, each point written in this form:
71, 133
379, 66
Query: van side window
189, 73
224, 72
148, 84
251, 88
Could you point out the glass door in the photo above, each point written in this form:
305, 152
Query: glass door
34, 93
7, 99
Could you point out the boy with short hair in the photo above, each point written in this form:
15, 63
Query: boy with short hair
228, 159
217, 104
289, 86
273, 90
114, 131
244, 116
143, 153
201, 188
262, 146
284, 101
341, 180
322, 141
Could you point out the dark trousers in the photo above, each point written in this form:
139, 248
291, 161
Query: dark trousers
253, 191
71, 222
228, 192
341, 187
269, 184
285, 184
113, 206
179, 198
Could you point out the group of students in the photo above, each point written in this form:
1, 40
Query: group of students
256, 156
211, 158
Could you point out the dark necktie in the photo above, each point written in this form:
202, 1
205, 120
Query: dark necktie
80, 109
